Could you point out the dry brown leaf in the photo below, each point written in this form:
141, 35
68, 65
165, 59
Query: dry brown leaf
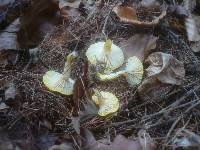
120, 142
69, 3
39, 20
164, 70
167, 68
126, 13
129, 15
139, 45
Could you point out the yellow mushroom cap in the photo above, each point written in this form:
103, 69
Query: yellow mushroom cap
108, 103
54, 81
134, 71
99, 52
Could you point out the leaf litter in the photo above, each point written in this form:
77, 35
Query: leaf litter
172, 90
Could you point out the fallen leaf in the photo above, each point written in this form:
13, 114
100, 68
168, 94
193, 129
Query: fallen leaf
195, 46
63, 146
129, 15
191, 28
69, 13
76, 124
8, 37
45, 141
187, 140
10, 10
3, 106
69, 3
90, 110
146, 141
178, 10
190, 24
164, 70
88, 140
190, 4
34, 55
39, 20
167, 68
120, 142
12, 96
149, 3
139, 45
8, 58
125, 13
80, 86
65, 142
5, 2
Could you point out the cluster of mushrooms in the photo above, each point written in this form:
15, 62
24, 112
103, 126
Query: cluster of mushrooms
112, 58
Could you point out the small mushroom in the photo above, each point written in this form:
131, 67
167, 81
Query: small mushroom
108, 53
133, 72
108, 103
58, 82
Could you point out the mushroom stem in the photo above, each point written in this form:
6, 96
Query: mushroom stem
100, 99
107, 46
67, 68
105, 77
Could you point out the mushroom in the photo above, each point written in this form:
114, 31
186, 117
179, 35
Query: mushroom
133, 72
107, 53
108, 103
58, 82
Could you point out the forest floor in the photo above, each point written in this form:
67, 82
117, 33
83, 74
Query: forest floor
162, 112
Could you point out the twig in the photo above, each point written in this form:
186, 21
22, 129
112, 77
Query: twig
172, 106
178, 119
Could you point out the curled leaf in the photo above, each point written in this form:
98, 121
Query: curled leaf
164, 70
129, 15
125, 13
167, 68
